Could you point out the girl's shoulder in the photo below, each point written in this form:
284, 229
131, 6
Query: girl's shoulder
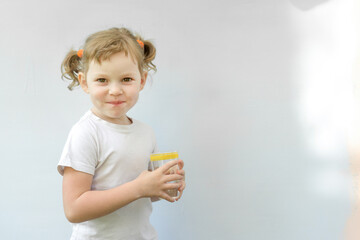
142, 125
84, 126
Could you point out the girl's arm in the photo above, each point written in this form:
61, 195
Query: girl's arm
83, 204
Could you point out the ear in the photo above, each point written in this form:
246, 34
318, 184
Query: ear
143, 80
82, 82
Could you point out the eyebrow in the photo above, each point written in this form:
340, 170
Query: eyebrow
101, 74
128, 74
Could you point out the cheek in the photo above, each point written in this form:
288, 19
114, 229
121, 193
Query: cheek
98, 93
133, 93
134, 97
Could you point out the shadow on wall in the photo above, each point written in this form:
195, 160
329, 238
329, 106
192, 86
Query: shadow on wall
306, 5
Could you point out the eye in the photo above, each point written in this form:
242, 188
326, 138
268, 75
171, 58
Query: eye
127, 79
101, 80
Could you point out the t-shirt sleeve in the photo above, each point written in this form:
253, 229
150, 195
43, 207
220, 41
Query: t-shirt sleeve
80, 151
155, 148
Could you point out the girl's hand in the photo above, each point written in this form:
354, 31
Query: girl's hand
181, 172
155, 183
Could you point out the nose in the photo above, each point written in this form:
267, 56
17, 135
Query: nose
115, 89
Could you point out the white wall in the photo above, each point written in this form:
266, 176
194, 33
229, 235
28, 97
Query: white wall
252, 93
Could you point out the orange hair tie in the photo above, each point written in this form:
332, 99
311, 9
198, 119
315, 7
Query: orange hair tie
80, 53
140, 43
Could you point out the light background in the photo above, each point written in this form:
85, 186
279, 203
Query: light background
256, 95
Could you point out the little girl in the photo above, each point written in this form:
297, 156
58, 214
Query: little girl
107, 189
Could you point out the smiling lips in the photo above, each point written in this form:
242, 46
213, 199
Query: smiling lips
116, 103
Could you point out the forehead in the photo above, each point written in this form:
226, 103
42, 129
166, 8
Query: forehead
117, 62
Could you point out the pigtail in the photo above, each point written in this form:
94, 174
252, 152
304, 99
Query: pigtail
70, 68
149, 55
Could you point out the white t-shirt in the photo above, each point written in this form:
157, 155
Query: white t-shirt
114, 154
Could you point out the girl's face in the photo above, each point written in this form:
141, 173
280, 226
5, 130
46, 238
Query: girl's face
114, 87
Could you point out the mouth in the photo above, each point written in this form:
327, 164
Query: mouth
115, 103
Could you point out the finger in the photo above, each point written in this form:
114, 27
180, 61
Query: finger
169, 186
181, 172
181, 164
172, 177
166, 167
172, 170
183, 185
178, 197
166, 197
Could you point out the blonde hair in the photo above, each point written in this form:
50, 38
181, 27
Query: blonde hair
101, 46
